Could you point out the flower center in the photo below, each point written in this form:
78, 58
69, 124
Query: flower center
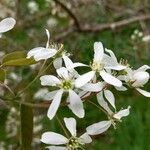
73, 143
97, 66
66, 85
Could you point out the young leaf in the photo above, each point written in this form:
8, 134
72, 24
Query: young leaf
17, 58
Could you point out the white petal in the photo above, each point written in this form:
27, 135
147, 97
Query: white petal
110, 79
85, 138
49, 80
41, 53
56, 148
140, 78
50, 95
34, 51
48, 38
143, 68
7, 24
63, 73
68, 62
55, 104
57, 63
122, 113
110, 97
98, 128
143, 92
41, 93
71, 125
122, 88
53, 138
111, 54
93, 87
77, 64
83, 79
98, 51
76, 104
103, 103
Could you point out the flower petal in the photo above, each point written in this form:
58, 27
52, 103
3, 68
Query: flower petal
98, 51
141, 78
122, 113
41, 53
110, 79
143, 68
71, 125
85, 138
76, 104
98, 128
93, 87
7, 24
53, 138
63, 73
50, 95
83, 79
143, 92
55, 104
48, 38
110, 97
57, 63
103, 103
49, 80
56, 148
122, 88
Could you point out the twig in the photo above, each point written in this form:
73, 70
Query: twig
70, 13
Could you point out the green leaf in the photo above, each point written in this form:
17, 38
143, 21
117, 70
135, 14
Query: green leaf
19, 62
26, 127
2, 75
17, 58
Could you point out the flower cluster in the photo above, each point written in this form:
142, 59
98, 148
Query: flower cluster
73, 88
104, 71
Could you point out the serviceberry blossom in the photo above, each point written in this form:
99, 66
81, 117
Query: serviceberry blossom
42, 53
70, 143
7, 24
66, 84
102, 126
137, 78
100, 64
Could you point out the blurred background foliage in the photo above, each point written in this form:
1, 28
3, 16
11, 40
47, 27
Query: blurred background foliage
77, 24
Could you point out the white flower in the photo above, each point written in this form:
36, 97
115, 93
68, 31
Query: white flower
101, 63
42, 53
137, 78
7, 24
63, 143
66, 83
102, 126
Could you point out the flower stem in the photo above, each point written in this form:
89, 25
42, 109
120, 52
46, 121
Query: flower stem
62, 127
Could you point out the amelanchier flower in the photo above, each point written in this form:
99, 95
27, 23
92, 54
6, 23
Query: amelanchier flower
100, 64
42, 53
102, 126
137, 78
62, 143
7, 24
66, 84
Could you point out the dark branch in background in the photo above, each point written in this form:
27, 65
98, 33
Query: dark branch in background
102, 27
70, 13
82, 28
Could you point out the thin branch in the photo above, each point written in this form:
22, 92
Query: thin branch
102, 27
70, 13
